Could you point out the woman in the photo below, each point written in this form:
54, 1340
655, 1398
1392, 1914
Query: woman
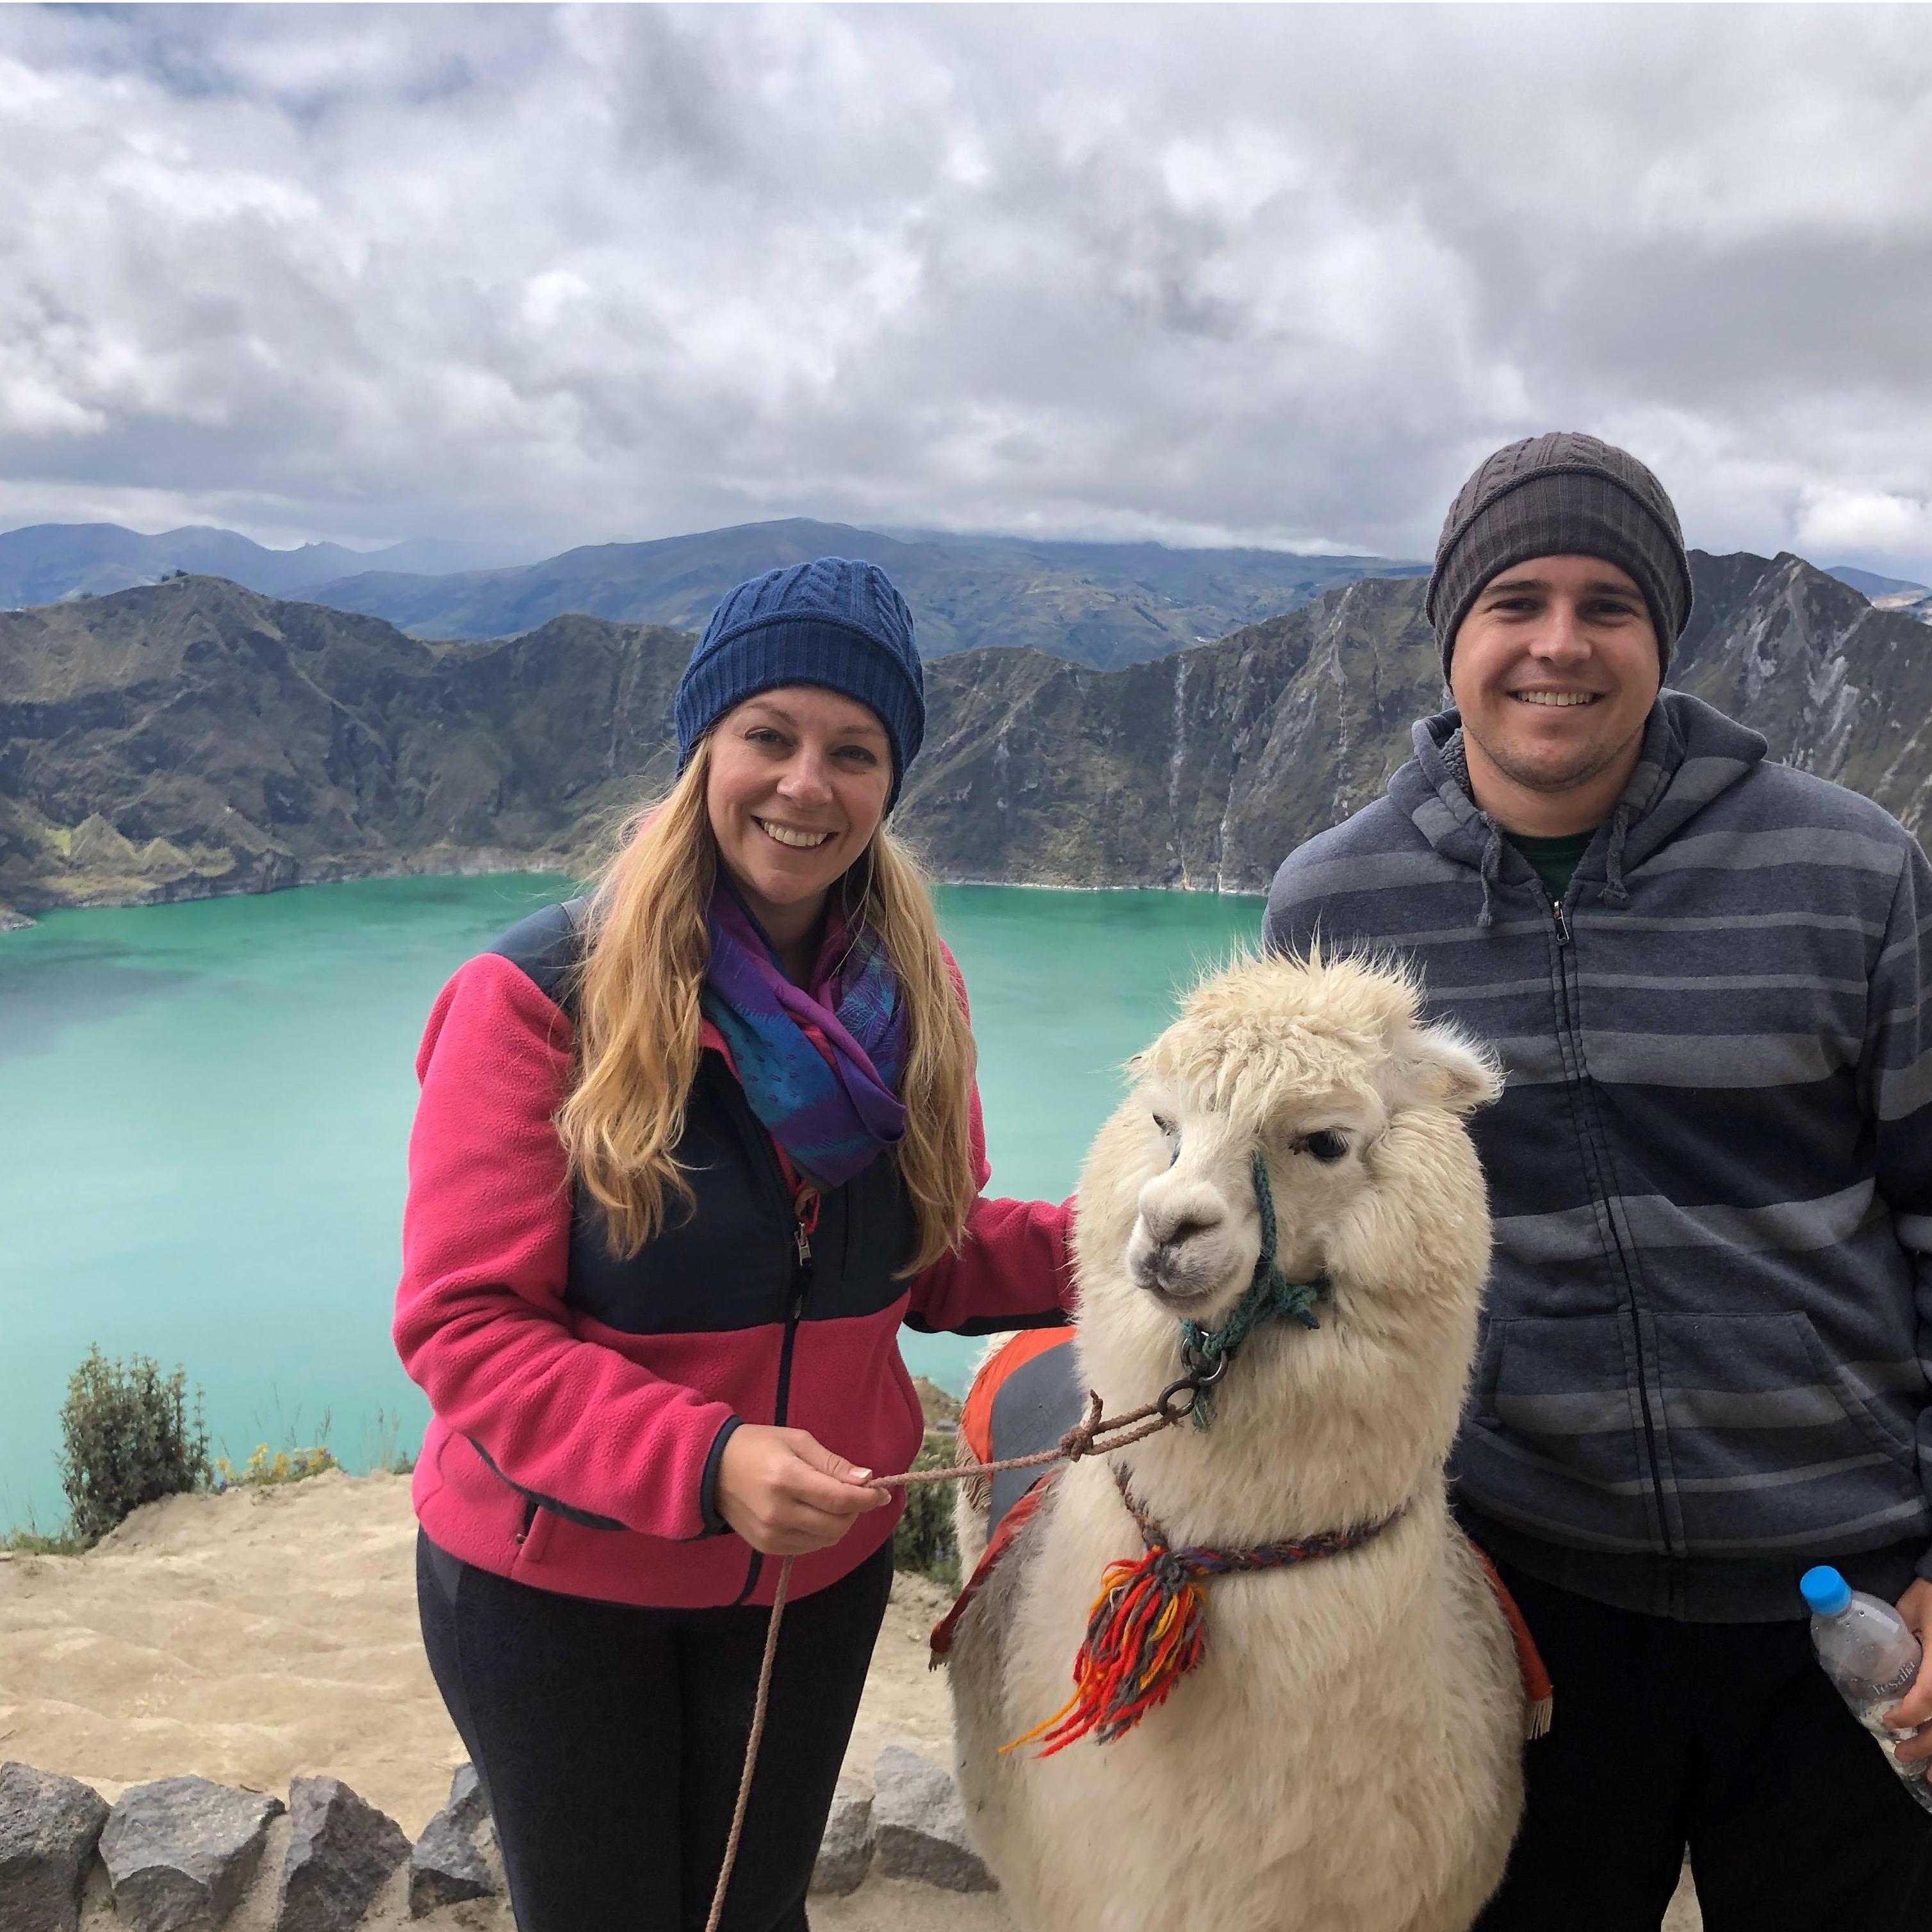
684, 1158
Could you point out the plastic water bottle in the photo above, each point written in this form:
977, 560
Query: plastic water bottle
1873, 1658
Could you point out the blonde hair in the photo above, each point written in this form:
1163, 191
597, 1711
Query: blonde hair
638, 1016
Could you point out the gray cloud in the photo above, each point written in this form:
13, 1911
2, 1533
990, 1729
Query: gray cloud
1206, 274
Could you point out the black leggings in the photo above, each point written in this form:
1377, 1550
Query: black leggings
1725, 1738
610, 1739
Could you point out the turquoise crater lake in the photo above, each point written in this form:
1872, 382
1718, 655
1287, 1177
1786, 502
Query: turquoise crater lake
206, 1107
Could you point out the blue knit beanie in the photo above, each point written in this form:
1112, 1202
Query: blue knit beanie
831, 623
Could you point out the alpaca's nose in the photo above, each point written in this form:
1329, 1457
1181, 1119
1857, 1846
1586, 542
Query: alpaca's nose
1182, 1231
1172, 1225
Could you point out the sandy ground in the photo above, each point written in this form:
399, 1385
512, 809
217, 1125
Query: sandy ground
265, 1634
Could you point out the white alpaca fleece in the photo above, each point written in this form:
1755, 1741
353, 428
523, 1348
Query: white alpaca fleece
1346, 1758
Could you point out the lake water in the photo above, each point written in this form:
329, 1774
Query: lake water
204, 1109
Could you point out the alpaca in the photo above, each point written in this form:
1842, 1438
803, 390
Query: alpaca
1346, 1757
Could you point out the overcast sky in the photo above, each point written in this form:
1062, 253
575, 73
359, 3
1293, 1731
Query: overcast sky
1248, 274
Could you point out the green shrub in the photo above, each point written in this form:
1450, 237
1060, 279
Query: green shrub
128, 1441
923, 1541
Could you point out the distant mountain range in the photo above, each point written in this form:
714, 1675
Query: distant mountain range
1105, 605
193, 737
47, 563
1888, 593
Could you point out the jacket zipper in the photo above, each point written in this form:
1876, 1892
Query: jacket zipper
805, 1220
1565, 957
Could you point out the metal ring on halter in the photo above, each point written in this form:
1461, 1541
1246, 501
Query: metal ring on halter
1167, 1406
1191, 1384
1204, 1370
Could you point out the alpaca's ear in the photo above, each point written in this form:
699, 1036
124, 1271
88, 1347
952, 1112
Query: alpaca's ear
1437, 1063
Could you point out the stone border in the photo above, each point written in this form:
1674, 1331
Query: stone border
183, 1851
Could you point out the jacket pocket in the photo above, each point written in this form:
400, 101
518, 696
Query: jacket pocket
1554, 1442
1773, 1450
539, 1525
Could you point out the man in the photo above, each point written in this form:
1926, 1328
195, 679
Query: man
1708, 1331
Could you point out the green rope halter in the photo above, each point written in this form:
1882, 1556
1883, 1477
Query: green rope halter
1271, 1297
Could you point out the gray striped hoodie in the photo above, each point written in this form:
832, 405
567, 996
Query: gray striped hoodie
1706, 1349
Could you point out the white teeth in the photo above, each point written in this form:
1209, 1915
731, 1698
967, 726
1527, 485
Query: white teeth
784, 834
1559, 698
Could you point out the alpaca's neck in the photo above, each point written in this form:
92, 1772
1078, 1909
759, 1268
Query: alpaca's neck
1277, 1459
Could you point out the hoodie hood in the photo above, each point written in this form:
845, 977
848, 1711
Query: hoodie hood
1691, 755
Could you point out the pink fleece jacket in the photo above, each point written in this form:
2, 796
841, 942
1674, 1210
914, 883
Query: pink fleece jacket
614, 1426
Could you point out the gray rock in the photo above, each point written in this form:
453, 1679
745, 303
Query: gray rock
447, 1865
919, 1823
49, 1828
341, 1852
845, 1852
182, 1850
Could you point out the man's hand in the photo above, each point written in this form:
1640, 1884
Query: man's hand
1915, 1707
786, 1494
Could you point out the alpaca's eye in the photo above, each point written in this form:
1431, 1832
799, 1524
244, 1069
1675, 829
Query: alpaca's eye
1166, 1126
1326, 1145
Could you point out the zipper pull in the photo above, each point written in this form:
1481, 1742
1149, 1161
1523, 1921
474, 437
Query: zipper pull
805, 1213
1562, 924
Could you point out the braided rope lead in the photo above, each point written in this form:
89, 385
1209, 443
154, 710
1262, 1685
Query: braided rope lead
1083, 1439
751, 1743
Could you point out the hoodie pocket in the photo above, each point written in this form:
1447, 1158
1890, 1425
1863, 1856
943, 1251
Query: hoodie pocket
1772, 1450
1555, 1443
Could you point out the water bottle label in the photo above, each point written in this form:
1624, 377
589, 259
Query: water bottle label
1888, 1692
1871, 1708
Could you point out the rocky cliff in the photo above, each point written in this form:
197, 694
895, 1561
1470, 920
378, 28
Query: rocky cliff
192, 737
1202, 770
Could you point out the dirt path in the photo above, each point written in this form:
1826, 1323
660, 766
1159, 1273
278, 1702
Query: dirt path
265, 1634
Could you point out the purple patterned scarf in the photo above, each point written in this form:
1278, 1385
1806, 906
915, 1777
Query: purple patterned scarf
834, 1111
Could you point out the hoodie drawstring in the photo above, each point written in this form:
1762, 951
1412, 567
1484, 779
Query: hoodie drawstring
1491, 871
1615, 892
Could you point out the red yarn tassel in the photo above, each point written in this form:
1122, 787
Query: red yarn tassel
1145, 1633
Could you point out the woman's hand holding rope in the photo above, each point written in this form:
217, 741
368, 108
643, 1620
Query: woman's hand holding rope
787, 1494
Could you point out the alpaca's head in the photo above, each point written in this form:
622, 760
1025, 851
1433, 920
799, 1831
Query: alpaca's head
1325, 1069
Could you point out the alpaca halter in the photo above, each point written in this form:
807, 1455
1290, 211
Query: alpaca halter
1148, 1628
1271, 1296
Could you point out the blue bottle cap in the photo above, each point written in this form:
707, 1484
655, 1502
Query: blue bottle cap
1825, 1590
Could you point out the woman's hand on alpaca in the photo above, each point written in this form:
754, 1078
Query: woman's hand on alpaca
787, 1494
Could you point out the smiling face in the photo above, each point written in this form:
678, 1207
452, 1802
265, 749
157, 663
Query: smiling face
1554, 670
798, 784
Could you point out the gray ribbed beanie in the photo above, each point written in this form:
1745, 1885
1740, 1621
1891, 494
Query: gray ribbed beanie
1564, 494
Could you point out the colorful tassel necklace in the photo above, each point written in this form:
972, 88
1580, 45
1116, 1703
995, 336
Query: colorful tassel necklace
1147, 1628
